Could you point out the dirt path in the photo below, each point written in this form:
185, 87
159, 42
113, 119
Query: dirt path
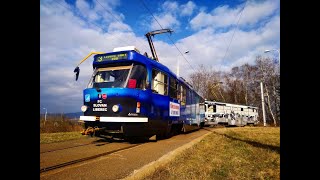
114, 166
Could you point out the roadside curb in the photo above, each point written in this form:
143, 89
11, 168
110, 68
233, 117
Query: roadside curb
162, 161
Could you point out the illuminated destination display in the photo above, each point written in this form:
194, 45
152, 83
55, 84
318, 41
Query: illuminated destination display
111, 57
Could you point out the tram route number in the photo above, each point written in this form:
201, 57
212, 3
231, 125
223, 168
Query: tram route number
111, 57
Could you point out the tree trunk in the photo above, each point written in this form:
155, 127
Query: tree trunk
276, 101
235, 93
213, 93
246, 95
224, 100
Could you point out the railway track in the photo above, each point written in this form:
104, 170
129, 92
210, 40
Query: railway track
53, 150
98, 143
50, 168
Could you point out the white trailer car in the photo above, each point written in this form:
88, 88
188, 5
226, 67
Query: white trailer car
230, 114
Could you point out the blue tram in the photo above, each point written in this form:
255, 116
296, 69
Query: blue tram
130, 95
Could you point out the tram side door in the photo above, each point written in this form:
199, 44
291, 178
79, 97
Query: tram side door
174, 104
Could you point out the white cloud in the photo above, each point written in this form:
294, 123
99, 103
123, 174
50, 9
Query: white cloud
187, 9
99, 11
117, 26
254, 12
208, 47
166, 21
224, 16
170, 6
84, 8
65, 39
169, 14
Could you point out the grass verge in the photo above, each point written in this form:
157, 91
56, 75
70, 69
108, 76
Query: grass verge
228, 153
60, 136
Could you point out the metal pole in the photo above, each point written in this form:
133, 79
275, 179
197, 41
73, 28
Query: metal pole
262, 101
178, 69
45, 115
178, 66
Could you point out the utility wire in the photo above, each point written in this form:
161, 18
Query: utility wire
93, 23
121, 22
167, 34
234, 32
109, 12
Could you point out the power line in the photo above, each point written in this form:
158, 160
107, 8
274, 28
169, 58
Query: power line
167, 34
109, 12
150, 13
234, 32
78, 14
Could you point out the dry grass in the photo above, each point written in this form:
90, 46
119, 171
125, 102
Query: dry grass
58, 128
55, 124
228, 153
58, 137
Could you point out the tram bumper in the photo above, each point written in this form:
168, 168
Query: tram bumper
120, 126
114, 119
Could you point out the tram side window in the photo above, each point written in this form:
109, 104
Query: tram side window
138, 77
210, 109
159, 82
173, 88
183, 94
190, 98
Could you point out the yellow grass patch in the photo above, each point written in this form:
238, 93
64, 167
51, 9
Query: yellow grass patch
228, 153
60, 136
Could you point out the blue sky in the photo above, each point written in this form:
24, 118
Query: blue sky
71, 29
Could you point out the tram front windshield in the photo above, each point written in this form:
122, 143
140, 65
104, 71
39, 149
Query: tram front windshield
132, 76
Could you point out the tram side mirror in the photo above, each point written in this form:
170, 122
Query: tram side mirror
77, 71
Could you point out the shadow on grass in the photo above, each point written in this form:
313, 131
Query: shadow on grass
250, 142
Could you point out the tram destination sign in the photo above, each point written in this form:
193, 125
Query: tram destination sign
110, 57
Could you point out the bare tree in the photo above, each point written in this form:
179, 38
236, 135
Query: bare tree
267, 73
240, 85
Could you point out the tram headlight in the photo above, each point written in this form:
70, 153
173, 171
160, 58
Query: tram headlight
115, 108
84, 108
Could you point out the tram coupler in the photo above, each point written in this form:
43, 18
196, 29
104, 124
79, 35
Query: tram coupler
90, 131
